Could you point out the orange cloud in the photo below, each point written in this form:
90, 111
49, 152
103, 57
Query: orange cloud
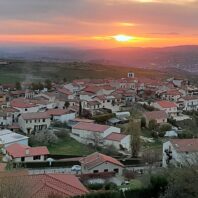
101, 40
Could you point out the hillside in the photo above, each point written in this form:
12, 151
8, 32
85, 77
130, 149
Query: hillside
38, 71
181, 57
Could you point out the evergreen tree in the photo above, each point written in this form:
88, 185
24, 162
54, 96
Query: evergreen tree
134, 129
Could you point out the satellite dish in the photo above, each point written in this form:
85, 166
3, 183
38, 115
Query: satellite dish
50, 160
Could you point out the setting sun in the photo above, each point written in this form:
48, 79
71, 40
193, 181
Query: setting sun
123, 38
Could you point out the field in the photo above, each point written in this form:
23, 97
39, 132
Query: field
69, 146
39, 71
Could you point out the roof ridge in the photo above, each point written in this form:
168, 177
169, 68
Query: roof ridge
49, 175
39, 188
58, 188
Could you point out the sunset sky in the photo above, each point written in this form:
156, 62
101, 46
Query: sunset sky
95, 23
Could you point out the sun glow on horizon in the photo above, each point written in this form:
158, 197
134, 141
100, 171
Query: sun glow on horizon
123, 38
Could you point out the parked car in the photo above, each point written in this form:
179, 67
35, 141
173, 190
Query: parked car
76, 168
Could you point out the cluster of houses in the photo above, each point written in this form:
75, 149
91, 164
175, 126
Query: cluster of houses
24, 112
62, 102
31, 111
14, 148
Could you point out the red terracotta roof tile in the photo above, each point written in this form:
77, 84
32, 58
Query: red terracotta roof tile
21, 103
185, 145
115, 137
35, 115
156, 115
44, 185
57, 112
18, 150
96, 159
91, 127
166, 104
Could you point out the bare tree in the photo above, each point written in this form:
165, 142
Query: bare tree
97, 139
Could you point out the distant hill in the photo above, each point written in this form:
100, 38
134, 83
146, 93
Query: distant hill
180, 57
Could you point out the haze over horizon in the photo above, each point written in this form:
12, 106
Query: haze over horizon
99, 23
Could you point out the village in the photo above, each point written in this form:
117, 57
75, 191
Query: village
96, 132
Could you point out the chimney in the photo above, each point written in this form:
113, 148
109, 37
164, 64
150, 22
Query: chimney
27, 151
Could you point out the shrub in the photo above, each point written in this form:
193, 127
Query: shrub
161, 134
61, 134
165, 127
43, 138
60, 124
129, 174
154, 134
172, 122
185, 135
103, 118
95, 186
152, 124
110, 186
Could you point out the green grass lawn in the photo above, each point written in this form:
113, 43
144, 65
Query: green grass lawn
69, 146
133, 184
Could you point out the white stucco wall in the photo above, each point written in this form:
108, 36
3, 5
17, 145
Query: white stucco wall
65, 118
24, 126
106, 165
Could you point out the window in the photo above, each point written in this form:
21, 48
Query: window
105, 170
116, 170
23, 159
95, 171
25, 109
43, 120
37, 157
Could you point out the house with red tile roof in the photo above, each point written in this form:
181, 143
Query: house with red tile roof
99, 163
93, 90
169, 107
99, 90
73, 88
119, 141
65, 92
180, 152
93, 105
44, 185
159, 116
172, 95
33, 122
109, 102
61, 115
126, 83
24, 105
91, 133
8, 115
189, 103
23, 153
5, 119
86, 96
17, 94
